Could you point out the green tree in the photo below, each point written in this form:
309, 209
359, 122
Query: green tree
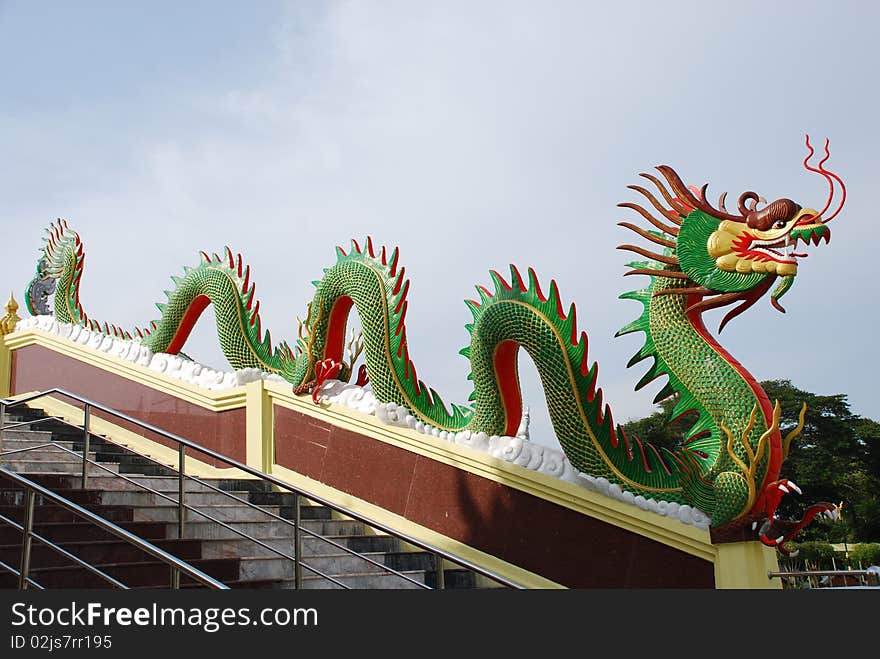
836, 458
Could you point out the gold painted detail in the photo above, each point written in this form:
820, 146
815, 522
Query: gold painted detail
8, 322
722, 246
754, 456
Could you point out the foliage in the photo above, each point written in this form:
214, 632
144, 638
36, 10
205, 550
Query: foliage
814, 552
866, 553
836, 459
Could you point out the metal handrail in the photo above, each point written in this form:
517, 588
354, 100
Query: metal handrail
183, 443
33, 488
225, 493
238, 532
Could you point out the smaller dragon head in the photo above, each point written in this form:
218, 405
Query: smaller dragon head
776, 532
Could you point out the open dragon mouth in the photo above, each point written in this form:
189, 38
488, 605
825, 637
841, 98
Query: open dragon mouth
776, 532
782, 250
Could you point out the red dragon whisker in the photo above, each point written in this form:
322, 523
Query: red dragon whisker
822, 172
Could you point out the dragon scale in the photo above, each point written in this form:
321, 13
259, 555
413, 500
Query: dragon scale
727, 463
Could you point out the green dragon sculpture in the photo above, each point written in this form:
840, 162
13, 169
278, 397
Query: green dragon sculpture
727, 465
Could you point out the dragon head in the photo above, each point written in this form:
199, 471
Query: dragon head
776, 532
737, 256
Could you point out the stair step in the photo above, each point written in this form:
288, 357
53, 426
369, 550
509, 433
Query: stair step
240, 562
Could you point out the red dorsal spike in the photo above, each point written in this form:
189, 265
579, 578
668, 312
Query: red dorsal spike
340, 250
384, 256
239, 265
395, 256
230, 258
402, 318
585, 357
255, 317
485, 290
402, 299
501, 279
517, 278
247, 277
370, 247
533, 280
357, 248
642, 453
554, 293
591, 393
399, 282
204, 256
572, 314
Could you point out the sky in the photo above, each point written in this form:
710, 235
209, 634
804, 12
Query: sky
470, 134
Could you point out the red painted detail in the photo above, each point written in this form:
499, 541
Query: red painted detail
255, 316
205, 256
591, 393
402, 318
394, 258
247, 277
660, 459
572, 313
699, 435
239, 265
363, 378
399, 282
585, 355
486, 291
475, 303
609, 419
554, 292
336, 328
501, 279
504, 361
231, 259
626, 444
598, 398
533, 278
370, 247
250, 297
190, 316
341, 251
415, 378
775, 461
384, 256
514, 272
357, 247
324, 370
402, 295
681, 207
642, 453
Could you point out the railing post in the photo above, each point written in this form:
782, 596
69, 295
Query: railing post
175, 578
297, 542
28, 528
441, 577
86, 442
2, 424
181, 490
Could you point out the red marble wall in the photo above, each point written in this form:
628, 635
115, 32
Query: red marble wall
35, 368
552, 540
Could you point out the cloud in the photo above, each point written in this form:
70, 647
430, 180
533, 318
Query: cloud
472, 136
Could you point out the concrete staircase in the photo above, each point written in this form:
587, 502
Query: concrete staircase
218, 551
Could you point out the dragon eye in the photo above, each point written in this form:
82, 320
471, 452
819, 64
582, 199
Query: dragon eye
779, 225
